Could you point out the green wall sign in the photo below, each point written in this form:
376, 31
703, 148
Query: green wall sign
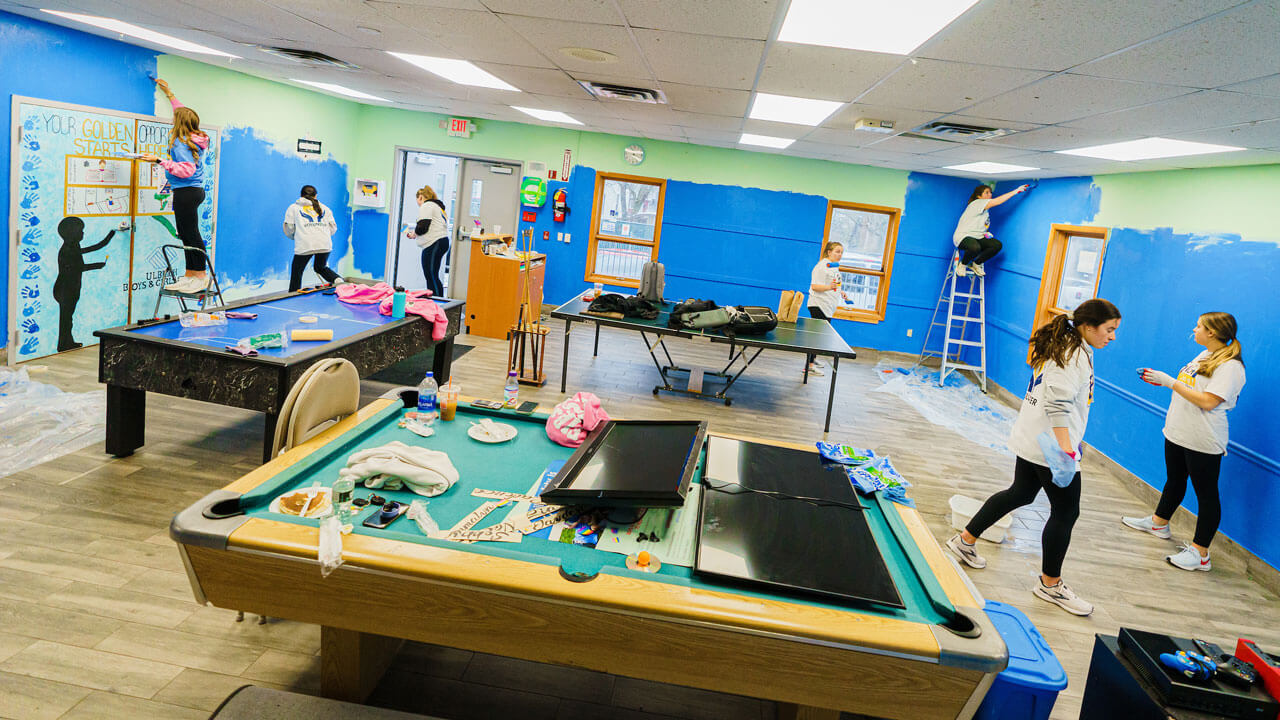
533, 191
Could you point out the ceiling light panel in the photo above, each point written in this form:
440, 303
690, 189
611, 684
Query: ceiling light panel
765, 140
794, 110
340, 90
141, 33
458, 71
1149, 149
990, 168
897, 27
548, 115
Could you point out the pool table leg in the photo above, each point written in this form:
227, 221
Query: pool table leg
352, 663
788, 711
442, 360
126, 420
564, 362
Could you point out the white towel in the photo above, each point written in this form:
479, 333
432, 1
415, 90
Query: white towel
425, 472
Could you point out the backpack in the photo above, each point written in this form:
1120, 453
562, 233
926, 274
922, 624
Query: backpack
751, 320
653, 280
698, 314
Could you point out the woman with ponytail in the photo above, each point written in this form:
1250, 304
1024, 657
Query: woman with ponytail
432, 235
1195, 435
1056, 406
310, 224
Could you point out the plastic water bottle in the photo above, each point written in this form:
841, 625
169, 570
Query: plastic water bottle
343, 494
428, 391
511, 393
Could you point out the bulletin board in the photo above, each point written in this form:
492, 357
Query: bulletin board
89, 221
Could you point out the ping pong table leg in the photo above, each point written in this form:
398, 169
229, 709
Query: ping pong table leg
564, 363
831, 394
596, 350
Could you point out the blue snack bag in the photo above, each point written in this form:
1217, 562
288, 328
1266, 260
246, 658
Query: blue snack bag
1061, 464
845, 454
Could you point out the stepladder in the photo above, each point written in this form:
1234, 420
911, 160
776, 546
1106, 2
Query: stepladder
960, 324
201, 298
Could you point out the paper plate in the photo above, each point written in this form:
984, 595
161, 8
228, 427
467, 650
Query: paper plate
320, 506
502, 433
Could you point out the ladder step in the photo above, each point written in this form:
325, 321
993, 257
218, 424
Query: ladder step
960, 366
973, 343
959, 318
969, 295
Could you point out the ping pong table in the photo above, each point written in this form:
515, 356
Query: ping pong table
805, 336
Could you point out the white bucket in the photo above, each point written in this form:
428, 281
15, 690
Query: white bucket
963, 509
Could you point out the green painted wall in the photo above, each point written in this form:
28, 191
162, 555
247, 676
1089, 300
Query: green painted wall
1212, 200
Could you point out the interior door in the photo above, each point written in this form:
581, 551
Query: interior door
417, 169
488, 201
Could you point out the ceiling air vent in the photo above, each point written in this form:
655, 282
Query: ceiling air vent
609, 91
958, 132
308, 57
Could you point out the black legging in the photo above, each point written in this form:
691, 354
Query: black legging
1203, 468
432, 256
979, 249
1064, 508
817, 314
186, 216
300, 264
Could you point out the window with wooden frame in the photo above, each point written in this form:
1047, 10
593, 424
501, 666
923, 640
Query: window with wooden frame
1072, 268
626, 224
868, 234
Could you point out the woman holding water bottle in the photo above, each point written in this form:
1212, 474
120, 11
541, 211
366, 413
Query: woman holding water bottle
1056, 406
824, 291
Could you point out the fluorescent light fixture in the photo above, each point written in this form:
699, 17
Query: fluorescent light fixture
990, 168
453, 70
339, 89
548, 115
141, 33
897, 27
795, 110
765, 140
1149, 148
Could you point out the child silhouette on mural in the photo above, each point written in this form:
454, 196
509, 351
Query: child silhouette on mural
71, 266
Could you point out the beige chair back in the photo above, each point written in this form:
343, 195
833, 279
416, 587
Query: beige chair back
326, 393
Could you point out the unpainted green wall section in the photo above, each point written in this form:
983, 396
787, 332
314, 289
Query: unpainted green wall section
1238, 200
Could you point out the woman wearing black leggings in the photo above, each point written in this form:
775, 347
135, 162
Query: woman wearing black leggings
184, 173
1056, 406
824, 291
1195, 435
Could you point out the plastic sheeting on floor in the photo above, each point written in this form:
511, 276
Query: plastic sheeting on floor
39, 422
959, 405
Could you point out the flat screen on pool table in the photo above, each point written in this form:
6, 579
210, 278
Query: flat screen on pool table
755, 528
631, 463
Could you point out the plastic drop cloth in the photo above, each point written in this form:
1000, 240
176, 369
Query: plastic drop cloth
959, 405
39, 422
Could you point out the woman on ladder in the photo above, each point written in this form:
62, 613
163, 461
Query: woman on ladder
183, 173
971, 236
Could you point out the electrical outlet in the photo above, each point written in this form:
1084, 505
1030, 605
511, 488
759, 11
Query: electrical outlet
909, 331
566, 237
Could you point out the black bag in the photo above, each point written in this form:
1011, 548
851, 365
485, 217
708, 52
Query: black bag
680, 314
653, 280
751, 320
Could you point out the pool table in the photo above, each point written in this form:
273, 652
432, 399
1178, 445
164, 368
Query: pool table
194, 363
526, 600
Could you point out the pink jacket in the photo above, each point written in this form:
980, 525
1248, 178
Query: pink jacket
417, 302
572, 419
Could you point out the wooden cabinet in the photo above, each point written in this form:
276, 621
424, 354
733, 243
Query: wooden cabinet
495, 288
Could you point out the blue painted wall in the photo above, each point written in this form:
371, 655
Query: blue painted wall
53, 63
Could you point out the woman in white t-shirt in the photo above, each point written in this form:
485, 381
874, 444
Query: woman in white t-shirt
1195, 435
825, 292
432, 234
310, 224
976, 244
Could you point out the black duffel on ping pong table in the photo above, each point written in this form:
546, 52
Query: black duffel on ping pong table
805, 336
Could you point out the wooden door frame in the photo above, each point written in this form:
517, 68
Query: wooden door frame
1054, 257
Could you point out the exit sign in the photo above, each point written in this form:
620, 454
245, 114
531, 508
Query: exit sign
460, 127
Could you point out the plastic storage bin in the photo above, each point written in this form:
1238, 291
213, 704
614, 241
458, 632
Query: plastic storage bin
1029, 687
963, 508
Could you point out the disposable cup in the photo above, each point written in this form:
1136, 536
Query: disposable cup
449, 400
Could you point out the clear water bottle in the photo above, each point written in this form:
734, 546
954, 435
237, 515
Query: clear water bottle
343, 493
428, 396
511, 393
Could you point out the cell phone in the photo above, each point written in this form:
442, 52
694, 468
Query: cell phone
527, 407
491, 404
386, 516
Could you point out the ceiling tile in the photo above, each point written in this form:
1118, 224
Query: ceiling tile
1236, 46
976, 152
1060, 34
989, 122
844, 138
426, 6
708, 100
603, 12
702, 135
1251, 135
701, 59
1059, 137
946, 86
549, 35
1066, 97
1050, 160
543, 81
898, 143
1195, 111
823, 73
729, 18
1243, 157
470, 35
774, 129
707, 122
1267, 86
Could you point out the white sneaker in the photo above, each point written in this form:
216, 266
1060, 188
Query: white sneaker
815, 370
1144, 524
1188, 558
962, 270
817, 362
1062, 596
978, 270
175, 284
966, 552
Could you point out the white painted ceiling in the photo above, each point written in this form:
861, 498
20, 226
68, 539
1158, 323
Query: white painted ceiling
1060, 73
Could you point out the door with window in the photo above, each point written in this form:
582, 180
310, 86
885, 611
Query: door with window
626, 224
419, 169
1072, 269
488, 201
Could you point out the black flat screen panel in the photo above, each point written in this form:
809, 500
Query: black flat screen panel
787, 543
631, 462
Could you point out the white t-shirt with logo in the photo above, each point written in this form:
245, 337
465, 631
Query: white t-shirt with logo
825, 300
1204, 430
974, 221
1056, 397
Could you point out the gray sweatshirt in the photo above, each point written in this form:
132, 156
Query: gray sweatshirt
1056, 397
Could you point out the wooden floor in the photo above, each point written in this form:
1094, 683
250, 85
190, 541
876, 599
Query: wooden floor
97, 620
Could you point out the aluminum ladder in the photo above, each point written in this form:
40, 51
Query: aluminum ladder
961, 301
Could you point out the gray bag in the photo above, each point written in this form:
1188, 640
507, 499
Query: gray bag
706, 319
653, 279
